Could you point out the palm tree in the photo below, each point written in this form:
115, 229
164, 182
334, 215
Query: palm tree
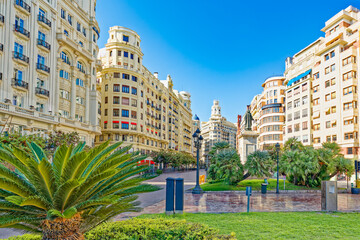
258, 164
71, 194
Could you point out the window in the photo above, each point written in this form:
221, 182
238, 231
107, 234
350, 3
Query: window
348, 136
348, 60
332, 68
304, 112
64, 94
333, 82
134, 78
65, 57
304, 87
116, 75
350, 105
327, 83
126, 54
289, 105
333, 109
131, 56
78, 26
316, 88
328, 124
349, 75
116, 88
305, 100
327, 97
316, 75
349, 90
133, 114
84, 31
66, 33
125, 113
290, 129
124, 125
80, 67
297, 127
116, 125
106, 87
349, 150
297, 103
80, 82
116, 100
305, 138
64, 74
316, 101
317, 140
133, 91
116, 112
125, 38
297, 115
105, 112
348, 122
80, 100
41, 36
125, 89
304, 125
134, 102
119, 53
316, 127
70, 19
125, 76
63, 13
125, 101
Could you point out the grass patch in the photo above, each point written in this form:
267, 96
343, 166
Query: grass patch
280, 225
254, 183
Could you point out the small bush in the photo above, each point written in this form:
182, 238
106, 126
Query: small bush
26, 237
158, 172
147, 229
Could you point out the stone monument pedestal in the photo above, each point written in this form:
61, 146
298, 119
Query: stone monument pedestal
247, 144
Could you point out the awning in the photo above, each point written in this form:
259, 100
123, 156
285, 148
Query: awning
148, 161
115, 121
133, 123
298, 77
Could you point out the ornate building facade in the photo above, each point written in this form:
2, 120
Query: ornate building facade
137, 107
48, 55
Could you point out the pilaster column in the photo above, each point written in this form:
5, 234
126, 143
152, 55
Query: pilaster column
87, 99
73, 93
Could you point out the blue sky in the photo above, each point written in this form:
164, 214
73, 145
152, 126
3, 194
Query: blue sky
219, 49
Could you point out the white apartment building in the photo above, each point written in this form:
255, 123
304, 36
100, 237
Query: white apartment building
48, 55
217, 129
331, 65
298, 94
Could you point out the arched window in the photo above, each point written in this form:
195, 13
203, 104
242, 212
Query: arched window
65, 57
80, 66
110, 53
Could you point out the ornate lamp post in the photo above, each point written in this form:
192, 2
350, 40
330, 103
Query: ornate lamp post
197, 142
277, 146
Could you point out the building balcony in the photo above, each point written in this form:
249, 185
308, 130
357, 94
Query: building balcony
44, 21
20, 84
21, 57
22, 6
41, 92
2, 19
22, 31
42, 67
43, 44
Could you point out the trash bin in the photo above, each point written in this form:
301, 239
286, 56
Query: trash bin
263, 188
357, 183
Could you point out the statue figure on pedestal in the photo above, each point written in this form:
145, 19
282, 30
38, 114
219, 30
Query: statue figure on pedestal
248, 119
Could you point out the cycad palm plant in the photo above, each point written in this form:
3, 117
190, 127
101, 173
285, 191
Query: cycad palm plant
72, 193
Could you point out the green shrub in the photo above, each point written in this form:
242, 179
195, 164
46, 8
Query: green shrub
158, 172
147, 229
26, 237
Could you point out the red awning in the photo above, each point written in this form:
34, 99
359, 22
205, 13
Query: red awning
125, 122
133, 123
146, 162
115, 121
105, 121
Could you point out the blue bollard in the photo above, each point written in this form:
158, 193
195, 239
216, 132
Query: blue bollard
248, 194
179, 195
170, 197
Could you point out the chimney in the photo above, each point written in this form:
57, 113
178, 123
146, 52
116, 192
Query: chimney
156, 74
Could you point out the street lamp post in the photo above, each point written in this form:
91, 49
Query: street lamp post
197, 142
277, 146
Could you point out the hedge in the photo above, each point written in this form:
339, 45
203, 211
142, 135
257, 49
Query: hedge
148, 229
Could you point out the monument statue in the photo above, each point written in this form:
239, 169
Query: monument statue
248, 119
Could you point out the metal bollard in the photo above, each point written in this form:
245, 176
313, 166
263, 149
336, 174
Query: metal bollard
248, 194
169, 205
179, 195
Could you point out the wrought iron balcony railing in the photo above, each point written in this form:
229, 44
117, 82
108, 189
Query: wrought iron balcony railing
21, 57
42, 67
41, 91
19, 83
42, 18
21, 30
43, 43
23, 4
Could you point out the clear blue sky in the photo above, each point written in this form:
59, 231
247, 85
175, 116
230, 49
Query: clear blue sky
219, 49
